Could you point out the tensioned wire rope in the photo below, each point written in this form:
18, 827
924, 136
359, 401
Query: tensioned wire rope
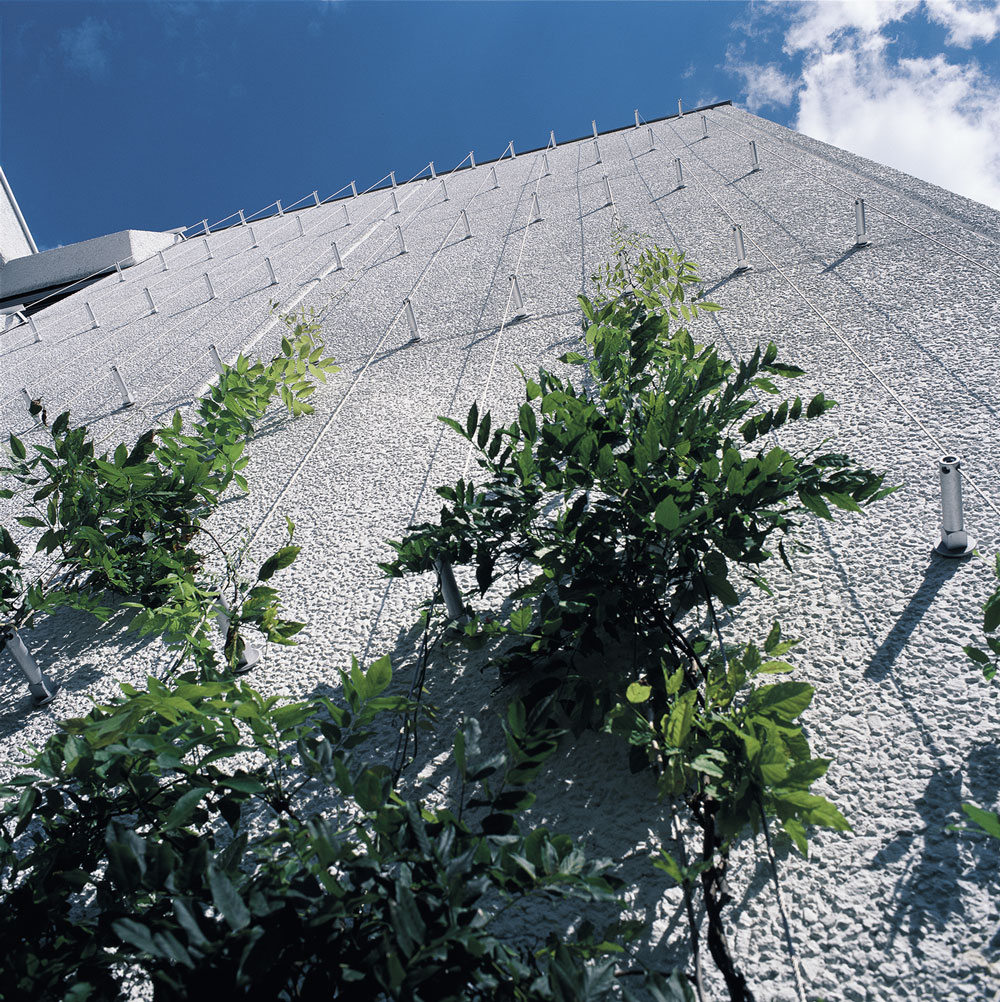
918, 722
116, 277
865, 178
160, 333
358, 374
505, 319
770, 852
970, 391
309, 288
843, 340
770, 856
142, 411
881, 382
874, 207
419, 675
314, 282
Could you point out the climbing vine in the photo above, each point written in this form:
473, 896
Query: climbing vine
132, 521
618, 517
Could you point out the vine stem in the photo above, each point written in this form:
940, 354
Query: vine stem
699, 985
796, 973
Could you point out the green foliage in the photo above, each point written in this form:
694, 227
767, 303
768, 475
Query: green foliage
217, 840
628, 507
985, 821
132, 520
989, 662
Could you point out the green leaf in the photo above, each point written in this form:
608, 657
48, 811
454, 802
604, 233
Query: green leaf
989, 822
285, 556
17, 447
521, 619
227, 900
637, 693
184, 807
680, 719
783, 701
667, 514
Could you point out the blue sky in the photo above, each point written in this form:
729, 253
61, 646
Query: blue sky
154, 115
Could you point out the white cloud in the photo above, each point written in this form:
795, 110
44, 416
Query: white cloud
83, 47
929, 117
966, 22
764, 85
821, 26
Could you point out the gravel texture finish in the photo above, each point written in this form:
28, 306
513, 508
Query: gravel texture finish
898, 909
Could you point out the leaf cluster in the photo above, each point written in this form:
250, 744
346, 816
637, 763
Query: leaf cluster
221, 841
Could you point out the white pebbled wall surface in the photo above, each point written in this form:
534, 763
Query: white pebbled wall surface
904, 333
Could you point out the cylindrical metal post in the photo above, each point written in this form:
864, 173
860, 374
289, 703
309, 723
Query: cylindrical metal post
607, 190
652, 144
270, 271
510, 146
545, 165
754, 159
149, 299
34, 330
433, 172
354, 190
860, 226
163, 261
90, 313
126, 396
243, 219
593, 125
465, 222
493, 174
552, 139
449, 590
637, 118
955, 541
395, 204
392, 177
281, 211
336, 257
516, 300
302, 231
118, 268
704, 127
597, 152
216, 359
472, 158
205, 228
411, 320
211, 288
253, 238
402, 242
347, 215
41, 687
316, 197
444, 190
741, 253
208, 251
680, 110
27, 401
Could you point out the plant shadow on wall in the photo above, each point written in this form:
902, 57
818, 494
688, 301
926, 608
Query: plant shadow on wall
620, 518
193, 836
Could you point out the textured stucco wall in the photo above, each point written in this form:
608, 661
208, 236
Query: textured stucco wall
899, 909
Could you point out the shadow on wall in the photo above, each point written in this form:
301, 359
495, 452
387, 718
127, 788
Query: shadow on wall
928, 893
937, 572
